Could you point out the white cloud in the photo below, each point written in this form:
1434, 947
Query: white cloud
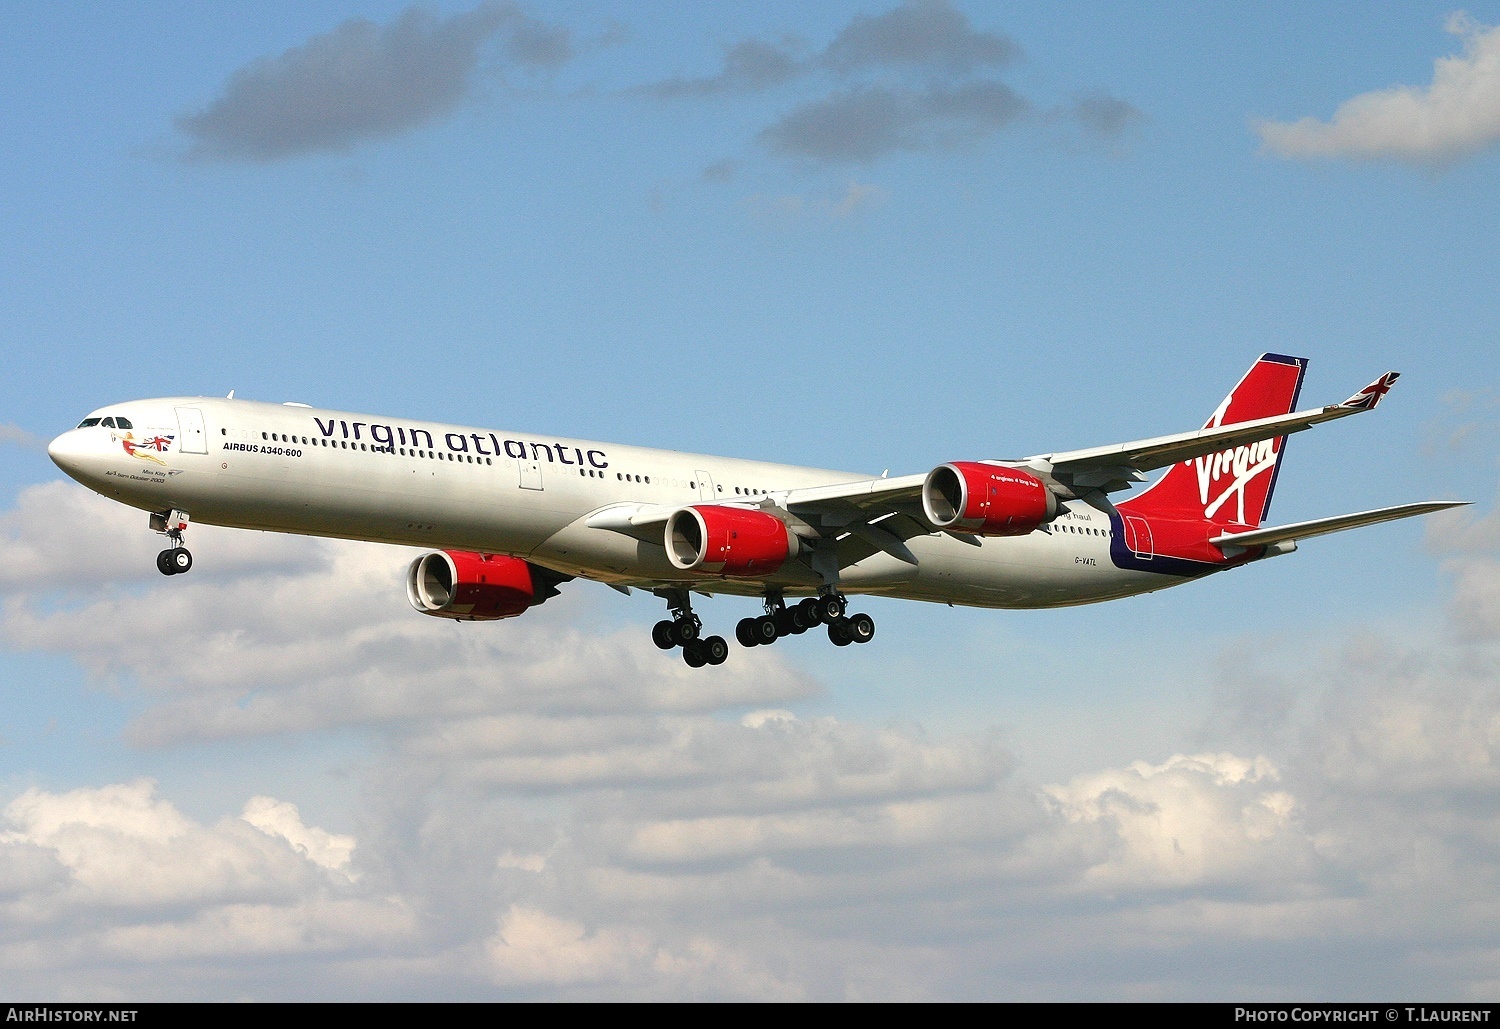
292, 634
17, 436
1455, 116
551, 811
124, 846
279, 818
1190, 821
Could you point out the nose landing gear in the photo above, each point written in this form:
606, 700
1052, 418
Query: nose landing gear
684, 630
176, 559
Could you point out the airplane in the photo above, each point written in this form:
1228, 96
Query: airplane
509, 517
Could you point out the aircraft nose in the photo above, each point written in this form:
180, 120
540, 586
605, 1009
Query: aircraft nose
71, 451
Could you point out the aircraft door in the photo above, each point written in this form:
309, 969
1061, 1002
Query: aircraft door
531, 473
192, 438
1138, 538
706, 489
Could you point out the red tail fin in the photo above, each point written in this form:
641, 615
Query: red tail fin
1232, 487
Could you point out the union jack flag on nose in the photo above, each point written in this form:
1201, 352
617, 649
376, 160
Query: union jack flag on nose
1367, 398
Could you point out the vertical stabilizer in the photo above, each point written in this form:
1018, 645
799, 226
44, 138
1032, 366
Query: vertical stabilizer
1231, 487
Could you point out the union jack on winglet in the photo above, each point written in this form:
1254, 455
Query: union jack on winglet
1367, 398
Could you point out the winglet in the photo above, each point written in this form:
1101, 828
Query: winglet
1367, 398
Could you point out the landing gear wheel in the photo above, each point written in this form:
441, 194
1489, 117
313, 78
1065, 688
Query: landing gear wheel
860, 628
807, 611
695, 654
838, 633
715, 650
661, 635
684, 631
164, 563
182, 560
746, 632
796, 621
784, 626
831, 608
765, 630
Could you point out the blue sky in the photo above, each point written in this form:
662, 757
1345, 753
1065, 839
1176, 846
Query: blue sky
591, 229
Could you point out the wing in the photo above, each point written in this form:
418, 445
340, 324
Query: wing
1323, 526
868, 516
1073, 473
864, 516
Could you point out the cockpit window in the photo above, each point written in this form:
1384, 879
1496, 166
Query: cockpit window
123, 423
88, 423
108, 423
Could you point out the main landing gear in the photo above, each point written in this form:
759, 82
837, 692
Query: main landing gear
685, 629
176, 559
828, 609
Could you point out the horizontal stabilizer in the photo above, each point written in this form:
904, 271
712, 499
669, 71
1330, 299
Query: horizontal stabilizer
1323, 526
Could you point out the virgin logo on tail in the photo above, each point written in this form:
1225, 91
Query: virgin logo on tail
1243, 463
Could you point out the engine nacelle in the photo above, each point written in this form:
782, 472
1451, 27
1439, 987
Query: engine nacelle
728, 541
476, 587
986, 499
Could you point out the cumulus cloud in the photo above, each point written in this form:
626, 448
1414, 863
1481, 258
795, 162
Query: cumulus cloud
907, 80
552, 810
295, 634
1105, 116
929, 36
16, 436
866, 123
279, 818
926, 34
750, 66
1455, 116
363, 81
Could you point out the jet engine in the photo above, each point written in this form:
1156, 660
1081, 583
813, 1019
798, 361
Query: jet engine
986, 499
477, 587
728, 541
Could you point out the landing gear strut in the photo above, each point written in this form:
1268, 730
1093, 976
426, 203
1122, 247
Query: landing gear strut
176, 559
826, 609
684, 630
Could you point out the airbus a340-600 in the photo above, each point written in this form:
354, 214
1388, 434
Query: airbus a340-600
511, 516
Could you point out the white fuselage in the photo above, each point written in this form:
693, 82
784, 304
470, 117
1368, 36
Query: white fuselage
296, 469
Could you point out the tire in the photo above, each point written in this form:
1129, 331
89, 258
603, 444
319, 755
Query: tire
831, 608
684, 631
808, 609
661, 635
695, 654
745, 632
861, 628
765, 630
838, 635
181, 560
784, 626
716, 650
796, 620
164, 563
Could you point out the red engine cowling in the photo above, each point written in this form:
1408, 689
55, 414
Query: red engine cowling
986, 499
474, 587
728, 541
